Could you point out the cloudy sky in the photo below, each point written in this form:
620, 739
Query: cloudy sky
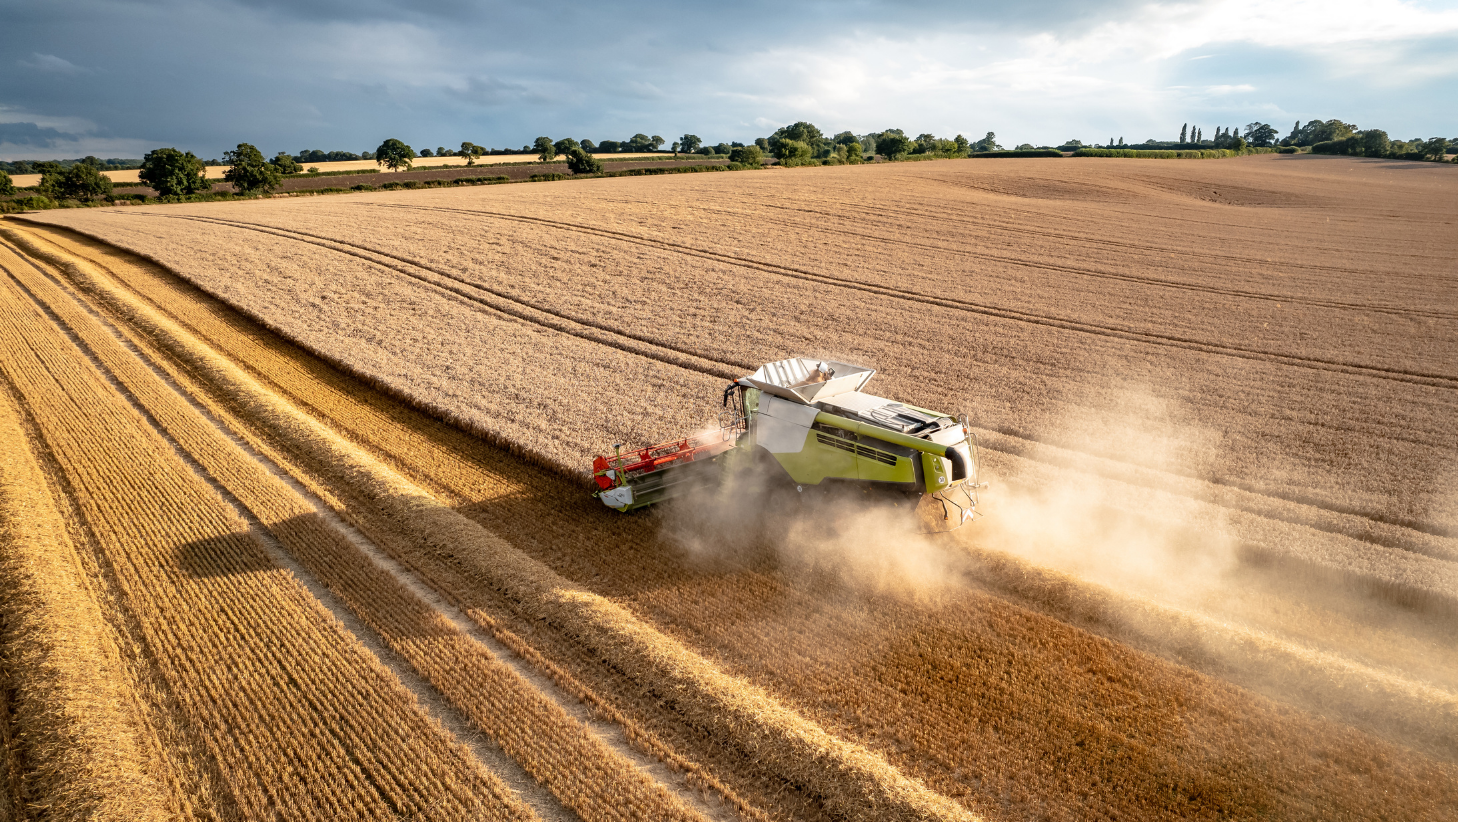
116, 78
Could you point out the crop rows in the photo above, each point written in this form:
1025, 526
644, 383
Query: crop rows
1031, 698
79, 746
485, 401
1294, 290
558, 751
849, 780
298, 718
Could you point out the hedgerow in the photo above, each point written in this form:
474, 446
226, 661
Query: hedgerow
1037, 152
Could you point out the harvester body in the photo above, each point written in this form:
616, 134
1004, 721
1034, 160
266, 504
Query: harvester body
822, 430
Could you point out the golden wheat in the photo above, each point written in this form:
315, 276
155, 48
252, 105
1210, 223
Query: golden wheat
991, 689
77, 725
299, 718
557, 750
850, 780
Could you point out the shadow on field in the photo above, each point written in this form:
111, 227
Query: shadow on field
223, 556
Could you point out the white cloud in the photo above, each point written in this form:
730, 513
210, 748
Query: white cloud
1120, 75
52, 64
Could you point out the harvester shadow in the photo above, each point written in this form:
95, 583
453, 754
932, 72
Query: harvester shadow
232, 555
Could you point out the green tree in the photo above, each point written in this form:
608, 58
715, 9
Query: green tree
544, 148
1375, 143
801, 132
249, 172
747, 156
793, 153
565, 145
471, 151
51, 173
1260, 135
393, 154
7, 186
1183, 129
79, 182
580, 162
286, 164
689, 143
893, 146
925, 144
989, 143
1435, 149
962, 146
640, 142
171, 173
656, 141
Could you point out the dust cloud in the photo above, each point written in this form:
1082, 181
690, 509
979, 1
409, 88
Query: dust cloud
1145, 563
869, 544
1142, 540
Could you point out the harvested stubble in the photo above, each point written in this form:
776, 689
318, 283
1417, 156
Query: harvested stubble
1233, 755
850, 781
558, 751
1335, 417
77, 728
298, 718
1239, 291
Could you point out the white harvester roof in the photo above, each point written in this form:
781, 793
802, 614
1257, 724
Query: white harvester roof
792, 379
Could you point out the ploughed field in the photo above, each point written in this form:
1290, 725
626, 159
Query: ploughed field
324, 531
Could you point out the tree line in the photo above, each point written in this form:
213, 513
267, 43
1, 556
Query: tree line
173, 173
1320, 137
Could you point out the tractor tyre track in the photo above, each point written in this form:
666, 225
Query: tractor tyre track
1313, 363
502, 304
1094, 273
1207, 224
1023, 444
437, 702
1076, 240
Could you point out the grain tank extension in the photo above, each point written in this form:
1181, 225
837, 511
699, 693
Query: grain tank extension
810, 421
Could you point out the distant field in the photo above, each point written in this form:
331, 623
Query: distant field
216, 172
1218, 576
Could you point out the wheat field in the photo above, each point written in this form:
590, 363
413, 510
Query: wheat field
1217, 578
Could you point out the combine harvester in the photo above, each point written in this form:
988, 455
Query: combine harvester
813, 420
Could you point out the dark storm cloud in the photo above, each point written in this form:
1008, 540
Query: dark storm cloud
31, 135
284, 74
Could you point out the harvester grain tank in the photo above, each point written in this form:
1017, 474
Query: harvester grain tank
819, 429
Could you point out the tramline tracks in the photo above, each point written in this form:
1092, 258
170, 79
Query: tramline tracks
588, 768
1307, 511
923, 725
820, 226
968, 306
406, 522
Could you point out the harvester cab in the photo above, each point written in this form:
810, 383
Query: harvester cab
821, 430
